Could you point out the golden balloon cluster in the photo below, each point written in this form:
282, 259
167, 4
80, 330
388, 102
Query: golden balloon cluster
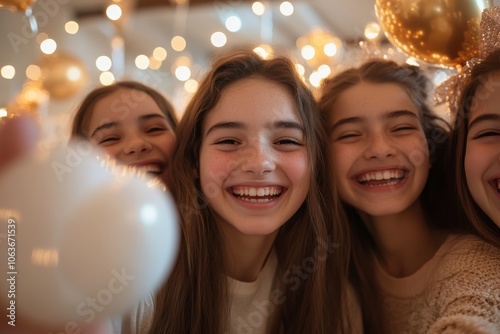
439, 32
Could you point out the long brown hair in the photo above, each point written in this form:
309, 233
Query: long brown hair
195, 298
437, 201
84, 112
480, 74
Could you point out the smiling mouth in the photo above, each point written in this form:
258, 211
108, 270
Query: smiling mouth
257, 194
381, 178
496, 182
153, 170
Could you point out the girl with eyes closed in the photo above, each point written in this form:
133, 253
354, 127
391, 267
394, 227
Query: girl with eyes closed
476, 141
131, 122
415, 268
264, 245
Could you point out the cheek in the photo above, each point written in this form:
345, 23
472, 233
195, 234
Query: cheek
417, 151
214, 171
342, 159
473, 165
168, 145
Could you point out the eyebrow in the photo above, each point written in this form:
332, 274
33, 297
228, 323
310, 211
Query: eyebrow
109, 125
238, 125
484, 117
389, 115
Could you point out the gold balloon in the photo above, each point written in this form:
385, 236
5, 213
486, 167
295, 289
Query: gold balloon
436, 31
62, 75
17, 5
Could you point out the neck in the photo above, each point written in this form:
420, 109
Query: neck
246, 255
405, 241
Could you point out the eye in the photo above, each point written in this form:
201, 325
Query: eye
156, 129
289, 141
108, 140
403, 128
347, 136
487, 133
226, 141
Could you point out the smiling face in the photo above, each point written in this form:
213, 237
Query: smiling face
254, 167
380, 155
482, 155
129, 126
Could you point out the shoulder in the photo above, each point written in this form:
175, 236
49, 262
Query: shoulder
465, 290
471, 254
138, 320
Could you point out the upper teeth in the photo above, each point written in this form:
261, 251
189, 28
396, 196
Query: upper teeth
381, 175
259, 191
149, 168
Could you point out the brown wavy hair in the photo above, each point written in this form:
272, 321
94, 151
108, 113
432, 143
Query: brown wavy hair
195, 298
479, 78
84, 113
438, 202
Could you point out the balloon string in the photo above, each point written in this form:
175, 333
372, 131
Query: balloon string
32, 20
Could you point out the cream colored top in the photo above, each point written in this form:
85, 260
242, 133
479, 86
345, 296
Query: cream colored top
457, 291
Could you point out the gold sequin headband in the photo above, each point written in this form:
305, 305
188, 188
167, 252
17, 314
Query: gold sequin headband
449, 91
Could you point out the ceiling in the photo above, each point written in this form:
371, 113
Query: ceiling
153, 23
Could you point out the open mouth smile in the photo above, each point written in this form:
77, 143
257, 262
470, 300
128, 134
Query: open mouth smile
382, 178
257, 194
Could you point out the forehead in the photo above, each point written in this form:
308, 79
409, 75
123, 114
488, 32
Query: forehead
487, 96
123, 104
254, 100
371, 100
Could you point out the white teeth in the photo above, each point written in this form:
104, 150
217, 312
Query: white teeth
256, 192
149, 168
381, 175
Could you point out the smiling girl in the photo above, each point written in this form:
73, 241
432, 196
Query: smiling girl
264, 245
476, 139
131, 122
413, 270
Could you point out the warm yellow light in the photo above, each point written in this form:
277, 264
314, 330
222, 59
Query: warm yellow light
300, 69
218, 39
3, 112
33, 72
154, 63
286, 8
113, 12
258, 8
308, 52
71, 27
103, 63
178, 43
233, 23
160, 53
142, 62
107, 78
73, 73
48, 46
8, 72
182, 73
372, 30
191, 86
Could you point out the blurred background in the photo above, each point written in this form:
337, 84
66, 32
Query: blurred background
53, 52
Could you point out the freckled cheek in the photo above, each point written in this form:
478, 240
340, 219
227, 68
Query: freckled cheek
214, 173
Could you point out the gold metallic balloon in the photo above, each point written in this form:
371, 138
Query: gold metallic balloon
443, 32
62, 75
17, 5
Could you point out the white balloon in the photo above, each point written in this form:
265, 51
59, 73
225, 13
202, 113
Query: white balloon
89, 241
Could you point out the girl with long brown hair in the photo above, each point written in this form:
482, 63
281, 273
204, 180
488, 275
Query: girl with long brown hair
265, 245
414, 266
476, 142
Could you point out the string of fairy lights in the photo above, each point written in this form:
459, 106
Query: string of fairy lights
317, 49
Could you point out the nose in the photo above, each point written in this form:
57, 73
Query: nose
135, 144
258, 159
380, 147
